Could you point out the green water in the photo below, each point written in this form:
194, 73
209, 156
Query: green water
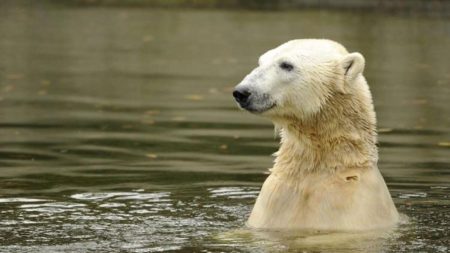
118, 131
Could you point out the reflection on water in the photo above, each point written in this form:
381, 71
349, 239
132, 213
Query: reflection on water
135, 221
118, 131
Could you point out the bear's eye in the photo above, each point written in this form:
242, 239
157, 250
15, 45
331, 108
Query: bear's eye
286, 66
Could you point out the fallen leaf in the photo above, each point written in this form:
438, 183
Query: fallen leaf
419, 102
179, 118
385, 130
194, 97
152, 156
213, 90
444, 144
148, 122
152, 112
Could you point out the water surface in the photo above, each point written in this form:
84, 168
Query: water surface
118, 132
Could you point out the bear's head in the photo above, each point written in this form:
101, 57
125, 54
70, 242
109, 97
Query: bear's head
297, 78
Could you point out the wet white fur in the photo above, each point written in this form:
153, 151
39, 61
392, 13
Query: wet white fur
325, 174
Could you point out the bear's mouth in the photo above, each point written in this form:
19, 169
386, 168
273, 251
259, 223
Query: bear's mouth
258, 109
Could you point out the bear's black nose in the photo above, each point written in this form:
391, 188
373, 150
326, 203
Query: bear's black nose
241, 96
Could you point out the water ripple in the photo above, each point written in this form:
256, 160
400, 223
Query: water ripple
413, 195
55, 207
234, 192
23, 200
100, 196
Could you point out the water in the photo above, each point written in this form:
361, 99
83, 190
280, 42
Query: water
118, 132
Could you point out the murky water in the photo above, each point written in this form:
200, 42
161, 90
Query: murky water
118, 132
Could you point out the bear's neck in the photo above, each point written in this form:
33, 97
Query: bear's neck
341, 136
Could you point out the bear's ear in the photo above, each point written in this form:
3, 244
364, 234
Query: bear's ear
353, 65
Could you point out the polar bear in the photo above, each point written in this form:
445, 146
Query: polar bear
325, 174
